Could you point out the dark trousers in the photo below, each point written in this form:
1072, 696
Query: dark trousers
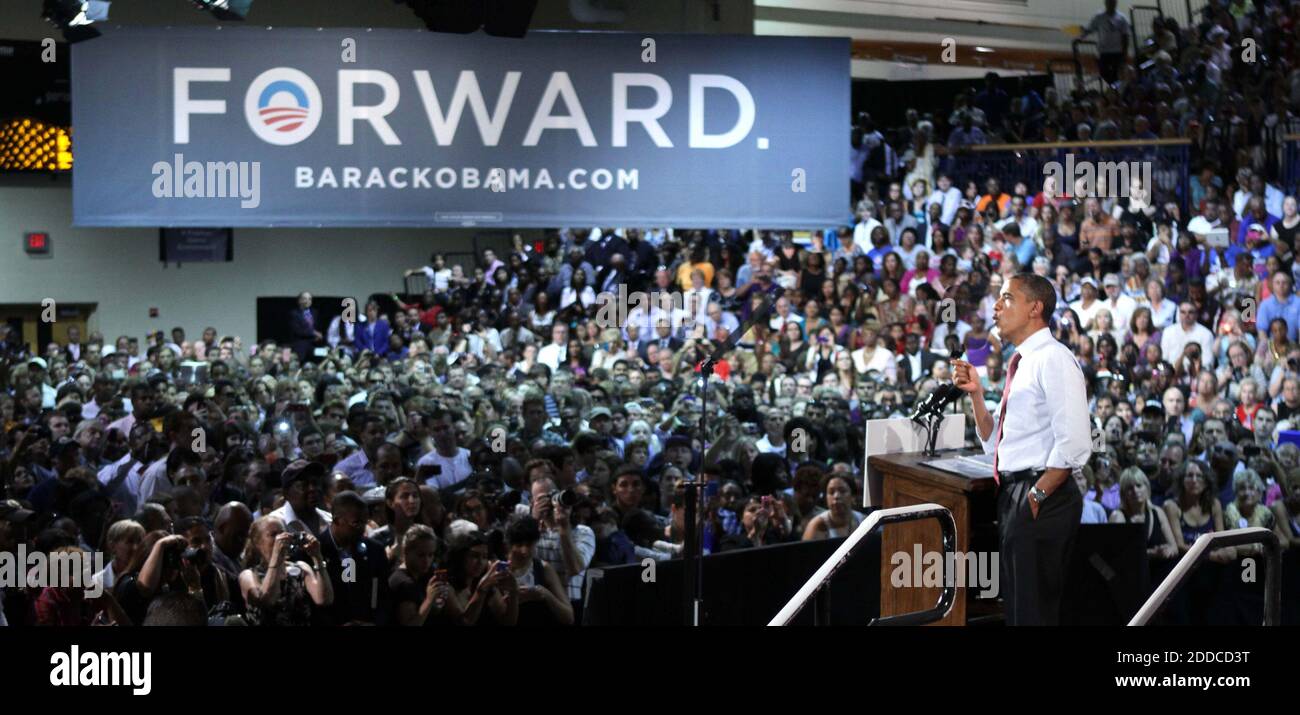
1108, 66
1036, 552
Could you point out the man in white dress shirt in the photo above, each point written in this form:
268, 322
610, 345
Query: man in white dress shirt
1039, 437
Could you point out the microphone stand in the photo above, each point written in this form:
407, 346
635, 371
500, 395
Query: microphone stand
931, 410
695, 503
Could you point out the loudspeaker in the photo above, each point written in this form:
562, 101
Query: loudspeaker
508, 18
502, 18
459, 16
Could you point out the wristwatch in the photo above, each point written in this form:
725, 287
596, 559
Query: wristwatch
1038, 494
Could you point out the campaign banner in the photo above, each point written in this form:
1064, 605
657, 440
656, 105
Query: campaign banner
247, 126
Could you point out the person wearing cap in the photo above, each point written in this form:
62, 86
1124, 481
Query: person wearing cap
1151, 420
14, 518
302, 482
1040, 436
601, 420
1121, 306
37, 372
1087, 306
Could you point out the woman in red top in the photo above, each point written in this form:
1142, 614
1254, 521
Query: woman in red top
70, 605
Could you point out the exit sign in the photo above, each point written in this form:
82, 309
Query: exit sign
37, 243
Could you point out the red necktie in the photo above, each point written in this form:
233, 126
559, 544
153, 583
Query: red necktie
1002, 414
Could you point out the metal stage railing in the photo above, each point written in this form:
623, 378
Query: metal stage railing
818, 586
1200, 551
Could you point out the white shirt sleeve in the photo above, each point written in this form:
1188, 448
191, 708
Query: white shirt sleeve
584, 540
1068, 408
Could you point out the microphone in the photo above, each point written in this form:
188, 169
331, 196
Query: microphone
924, 408
944, 395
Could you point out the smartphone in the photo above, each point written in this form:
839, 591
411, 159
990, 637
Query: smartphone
440, 575
502, 567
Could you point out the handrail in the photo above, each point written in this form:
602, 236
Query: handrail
1201, 550
1106, 143
820, 580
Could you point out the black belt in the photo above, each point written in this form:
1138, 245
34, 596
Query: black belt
1020, 476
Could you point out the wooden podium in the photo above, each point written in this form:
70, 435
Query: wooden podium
907, 482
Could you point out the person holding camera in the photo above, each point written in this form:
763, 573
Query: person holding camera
170, 566
278, 584
217, 586
570, 547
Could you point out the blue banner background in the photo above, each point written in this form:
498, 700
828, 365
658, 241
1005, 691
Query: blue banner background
123, 119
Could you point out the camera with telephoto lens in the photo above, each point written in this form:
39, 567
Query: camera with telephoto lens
566, 498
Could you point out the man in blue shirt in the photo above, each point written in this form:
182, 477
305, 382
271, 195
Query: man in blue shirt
1282, 304
1024, 248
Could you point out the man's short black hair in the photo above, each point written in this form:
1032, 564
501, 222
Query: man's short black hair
1039, 290
348, 500
176, 609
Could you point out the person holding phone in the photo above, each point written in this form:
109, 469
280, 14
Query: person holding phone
484, 592
543, 600
423, 594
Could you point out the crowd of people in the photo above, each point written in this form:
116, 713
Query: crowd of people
1228, 81
463, 455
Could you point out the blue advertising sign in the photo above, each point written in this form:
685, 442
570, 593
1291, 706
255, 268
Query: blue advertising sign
337, 127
